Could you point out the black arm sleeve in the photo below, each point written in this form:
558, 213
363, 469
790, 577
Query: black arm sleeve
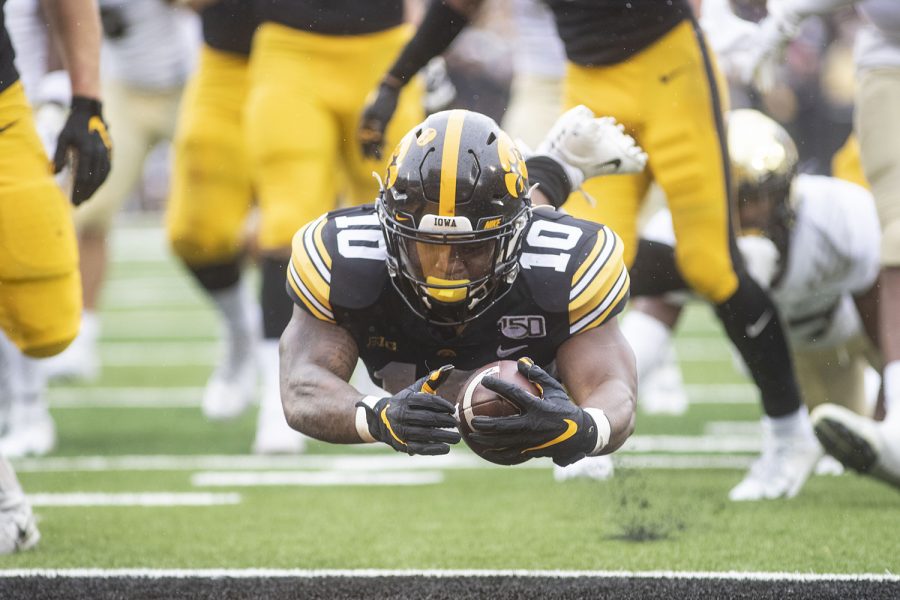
438, 29
550, 177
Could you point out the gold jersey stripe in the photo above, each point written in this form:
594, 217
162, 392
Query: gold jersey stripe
301, 293
305, 268
320, 245
621, 294
599, 285
449, 163
591, 257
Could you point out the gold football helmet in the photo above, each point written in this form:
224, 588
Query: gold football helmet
764, 162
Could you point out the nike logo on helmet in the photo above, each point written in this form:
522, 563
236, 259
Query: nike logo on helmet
756, 328
504, 352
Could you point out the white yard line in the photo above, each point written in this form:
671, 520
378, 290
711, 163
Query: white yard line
448, 573
313, 478
134, 499
124, 397
350, 463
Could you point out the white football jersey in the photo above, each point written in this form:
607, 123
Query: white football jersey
539, 51
833, 254
31, 40
155, 45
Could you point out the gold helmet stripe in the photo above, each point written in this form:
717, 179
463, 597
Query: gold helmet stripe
449, 162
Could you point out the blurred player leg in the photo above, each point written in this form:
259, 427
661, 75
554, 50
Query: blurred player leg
668, 98
18, 529
29, 429
539, 63
858, 442
648, 328
209, 203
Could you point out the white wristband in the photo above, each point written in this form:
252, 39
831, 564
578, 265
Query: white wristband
362, 422
603, 429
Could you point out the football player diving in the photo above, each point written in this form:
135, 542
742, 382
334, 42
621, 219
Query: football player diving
646, 62
452, 254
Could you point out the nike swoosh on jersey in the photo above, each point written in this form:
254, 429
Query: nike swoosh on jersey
504, 352
8, 125
571, 429
756, 328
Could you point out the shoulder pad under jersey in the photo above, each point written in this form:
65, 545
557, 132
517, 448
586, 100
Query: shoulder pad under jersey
338, 262
576, 267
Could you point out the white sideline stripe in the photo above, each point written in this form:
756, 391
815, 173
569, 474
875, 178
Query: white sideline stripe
670, 462
446, 573
153, 354
124, 397
134, 499
691, 443
721, 393
386, 462
313, 478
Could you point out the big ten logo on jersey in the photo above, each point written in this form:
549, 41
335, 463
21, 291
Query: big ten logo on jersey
517, 327
359, 236
546, 237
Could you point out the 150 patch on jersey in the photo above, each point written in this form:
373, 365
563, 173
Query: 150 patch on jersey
517, 327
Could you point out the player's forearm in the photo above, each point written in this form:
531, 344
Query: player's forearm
443, 21
76, 28
319, 404
598, 370
317, 360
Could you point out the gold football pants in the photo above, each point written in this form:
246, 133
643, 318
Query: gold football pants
211, 195
306, 96
670, 98
40, 288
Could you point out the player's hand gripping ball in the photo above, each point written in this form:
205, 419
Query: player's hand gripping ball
475, 400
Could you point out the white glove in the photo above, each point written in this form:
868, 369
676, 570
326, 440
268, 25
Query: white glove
587, 147
761, 258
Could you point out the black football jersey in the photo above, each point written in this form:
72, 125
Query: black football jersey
572, 279
605, 32
333, 17
229, 25
8, 73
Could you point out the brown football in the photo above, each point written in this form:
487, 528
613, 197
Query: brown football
475, 400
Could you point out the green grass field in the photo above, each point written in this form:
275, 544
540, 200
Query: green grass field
138, 430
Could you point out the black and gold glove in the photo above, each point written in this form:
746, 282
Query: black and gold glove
85, 135
551, 425
415, 420
375, 118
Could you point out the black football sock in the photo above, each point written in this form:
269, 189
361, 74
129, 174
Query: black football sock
752, 323
276, 304
218, 276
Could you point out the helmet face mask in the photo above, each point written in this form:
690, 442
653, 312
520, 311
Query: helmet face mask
453, 209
